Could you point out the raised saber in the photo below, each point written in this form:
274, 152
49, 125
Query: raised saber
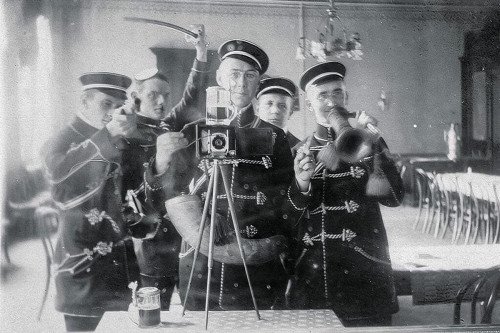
163, 24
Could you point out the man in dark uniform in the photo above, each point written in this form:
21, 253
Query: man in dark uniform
157, 249
275, 97
93, 259
258, 186
335, 198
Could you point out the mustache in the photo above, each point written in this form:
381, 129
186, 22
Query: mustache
341, 111
107, 118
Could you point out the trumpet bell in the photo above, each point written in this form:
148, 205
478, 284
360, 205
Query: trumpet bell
353, 145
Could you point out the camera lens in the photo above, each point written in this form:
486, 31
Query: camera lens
219, 142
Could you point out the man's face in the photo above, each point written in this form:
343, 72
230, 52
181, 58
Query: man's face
99, 107
155, 98
275, 108
240, 78
321, 98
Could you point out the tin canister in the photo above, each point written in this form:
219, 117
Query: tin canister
148, 305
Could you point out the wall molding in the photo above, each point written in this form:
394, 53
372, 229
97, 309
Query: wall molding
461, 11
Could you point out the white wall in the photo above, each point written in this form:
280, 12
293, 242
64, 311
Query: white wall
411, 52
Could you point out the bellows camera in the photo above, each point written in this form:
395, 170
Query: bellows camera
227, 142
217, 139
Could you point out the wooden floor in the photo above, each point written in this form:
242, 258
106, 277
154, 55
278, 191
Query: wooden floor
23, 281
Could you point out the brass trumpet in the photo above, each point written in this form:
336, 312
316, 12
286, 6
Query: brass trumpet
351, 144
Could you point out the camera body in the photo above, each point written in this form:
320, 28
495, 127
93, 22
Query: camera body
217, 139
227, 142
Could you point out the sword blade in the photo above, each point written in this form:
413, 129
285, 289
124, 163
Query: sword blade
163, 24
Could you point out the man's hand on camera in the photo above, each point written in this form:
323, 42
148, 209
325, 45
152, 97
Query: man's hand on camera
304, 166
166, 145
123, 122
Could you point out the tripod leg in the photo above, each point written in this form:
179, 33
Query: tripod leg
200, 236
237, 233
211, 246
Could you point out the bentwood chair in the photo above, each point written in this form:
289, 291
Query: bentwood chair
495, 215
434, 206
47, 219
482, 230
485, 284
448, 206
424, 196
491, 216
469, 212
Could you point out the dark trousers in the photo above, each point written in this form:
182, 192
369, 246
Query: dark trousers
81, 324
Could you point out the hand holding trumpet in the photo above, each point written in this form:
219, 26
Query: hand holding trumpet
365, 121
304, 165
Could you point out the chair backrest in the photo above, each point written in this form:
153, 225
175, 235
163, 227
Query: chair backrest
402, 171
422, 183
47, 219
496, 207
489, 279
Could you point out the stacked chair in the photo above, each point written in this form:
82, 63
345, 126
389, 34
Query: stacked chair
47, 218
425, 190
453, 205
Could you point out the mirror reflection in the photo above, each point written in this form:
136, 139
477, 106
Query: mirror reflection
314, 164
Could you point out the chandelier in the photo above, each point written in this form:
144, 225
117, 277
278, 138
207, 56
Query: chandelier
330, 42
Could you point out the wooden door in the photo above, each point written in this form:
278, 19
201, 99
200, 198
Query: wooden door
177, 63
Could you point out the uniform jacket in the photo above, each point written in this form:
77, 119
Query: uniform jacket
292, 139
344, 262
90, 176
93, 258
158, 251
258, 188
